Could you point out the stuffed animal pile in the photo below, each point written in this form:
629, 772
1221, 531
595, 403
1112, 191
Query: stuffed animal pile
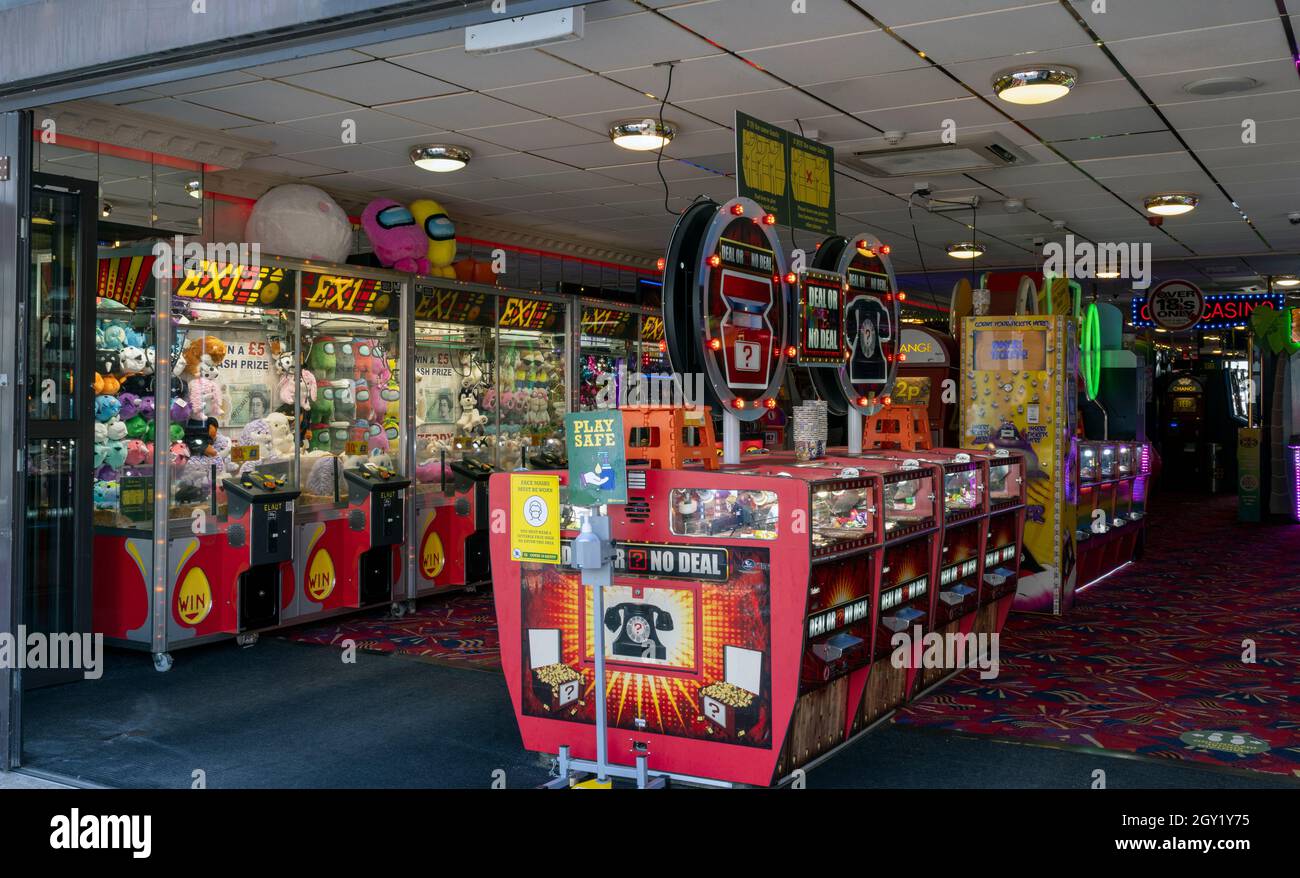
123, 409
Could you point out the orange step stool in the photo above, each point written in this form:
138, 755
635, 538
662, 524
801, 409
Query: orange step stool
904, 427
668, 438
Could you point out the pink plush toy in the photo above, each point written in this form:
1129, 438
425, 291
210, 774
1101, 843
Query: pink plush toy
284, 363
138, 452
398, 240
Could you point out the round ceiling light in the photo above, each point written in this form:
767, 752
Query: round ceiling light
1286, 280
1035, 85
1107, 274
642, 135
1172, 203
966, 250
441, 158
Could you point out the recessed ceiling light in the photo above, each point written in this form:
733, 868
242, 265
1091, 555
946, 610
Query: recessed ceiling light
106, 209
1221, 85
642, 135
1035, 85
1172, 203
1286, 280
441, 158
194, 188
966, 250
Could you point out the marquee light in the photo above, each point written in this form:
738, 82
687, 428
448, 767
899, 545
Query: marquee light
1222, 310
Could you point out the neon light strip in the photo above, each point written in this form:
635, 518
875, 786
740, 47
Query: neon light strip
1103, 576
1295, 475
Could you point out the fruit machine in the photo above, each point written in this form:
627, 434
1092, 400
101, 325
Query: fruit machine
928, 359
196, 475
1006, 531
351, 402
727, 661
456, 431
607, 355
1018, 392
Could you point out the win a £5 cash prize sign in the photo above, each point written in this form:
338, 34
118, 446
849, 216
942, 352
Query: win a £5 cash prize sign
597, 460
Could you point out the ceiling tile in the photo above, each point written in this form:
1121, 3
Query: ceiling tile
269, 101
1151, 17
482, 72
353, 157
838, 57
1195, 49
701, 78
631, 41
1121, 145
373, 82
369, 126
1031, 28
591, 93
745, 25
455, 112
909, 87
308, 63
537, 135
193, 114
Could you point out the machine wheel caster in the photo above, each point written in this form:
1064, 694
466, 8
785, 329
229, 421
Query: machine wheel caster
162, 662
246, 640
397, 609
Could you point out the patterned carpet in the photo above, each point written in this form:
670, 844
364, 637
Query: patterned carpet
1150, 660
455, 629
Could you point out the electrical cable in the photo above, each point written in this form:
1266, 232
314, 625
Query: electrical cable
659, 157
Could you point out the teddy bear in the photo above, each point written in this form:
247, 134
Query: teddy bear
200, 364
470, 419
286, 388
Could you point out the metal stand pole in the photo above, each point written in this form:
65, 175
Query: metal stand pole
855, 430
598, 579
730, 438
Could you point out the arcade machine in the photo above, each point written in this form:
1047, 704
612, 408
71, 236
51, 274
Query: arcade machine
455, 448
607, 354
195, 477
352, 512
1019, 378
1182, 429
927, 359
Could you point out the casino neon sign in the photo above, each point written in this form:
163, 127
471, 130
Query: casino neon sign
1222, 311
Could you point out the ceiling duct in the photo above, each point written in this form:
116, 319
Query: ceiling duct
982, 153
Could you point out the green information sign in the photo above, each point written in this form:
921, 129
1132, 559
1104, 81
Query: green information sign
597, 460
787, 174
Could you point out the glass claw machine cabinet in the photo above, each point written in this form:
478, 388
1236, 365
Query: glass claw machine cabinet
491, 395
456, 435
196, 478
608, 355
349, 358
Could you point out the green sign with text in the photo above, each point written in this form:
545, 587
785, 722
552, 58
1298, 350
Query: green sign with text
597, 459
787, 174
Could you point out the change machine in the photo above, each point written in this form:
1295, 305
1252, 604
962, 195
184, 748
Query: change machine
1018, 380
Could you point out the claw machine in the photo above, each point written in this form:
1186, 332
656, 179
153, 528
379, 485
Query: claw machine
196, 477
350, 417
456, 433
608, 354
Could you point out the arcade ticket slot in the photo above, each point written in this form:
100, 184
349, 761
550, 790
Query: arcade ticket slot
456, 435
962, 536
724, 659
1006, 528
195, 475
352, 513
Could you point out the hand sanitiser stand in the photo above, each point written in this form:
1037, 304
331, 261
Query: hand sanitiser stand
593, 554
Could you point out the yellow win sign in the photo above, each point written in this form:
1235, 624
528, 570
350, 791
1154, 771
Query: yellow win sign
535, 518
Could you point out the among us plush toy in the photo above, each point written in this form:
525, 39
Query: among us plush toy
302, 222
441, 232
398, 240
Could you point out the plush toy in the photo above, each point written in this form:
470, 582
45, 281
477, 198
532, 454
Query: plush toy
116, 456
320, 437
282, 439
470, 419
321, 359
287, 391
130, 405
180, 452
345, 406
115, 429
133, 360
106, 407
107, 494
115, 336
201, 362
134, 337
398, 240
138, 427
146, 408
138, 452
302, 222
345, 359
441, 233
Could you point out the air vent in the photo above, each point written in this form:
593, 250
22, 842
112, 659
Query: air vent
636, 509
1221, 85
977, 154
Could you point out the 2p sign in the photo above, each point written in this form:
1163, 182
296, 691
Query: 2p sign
1176, 305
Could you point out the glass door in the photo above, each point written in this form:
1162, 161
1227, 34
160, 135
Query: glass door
58, 449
